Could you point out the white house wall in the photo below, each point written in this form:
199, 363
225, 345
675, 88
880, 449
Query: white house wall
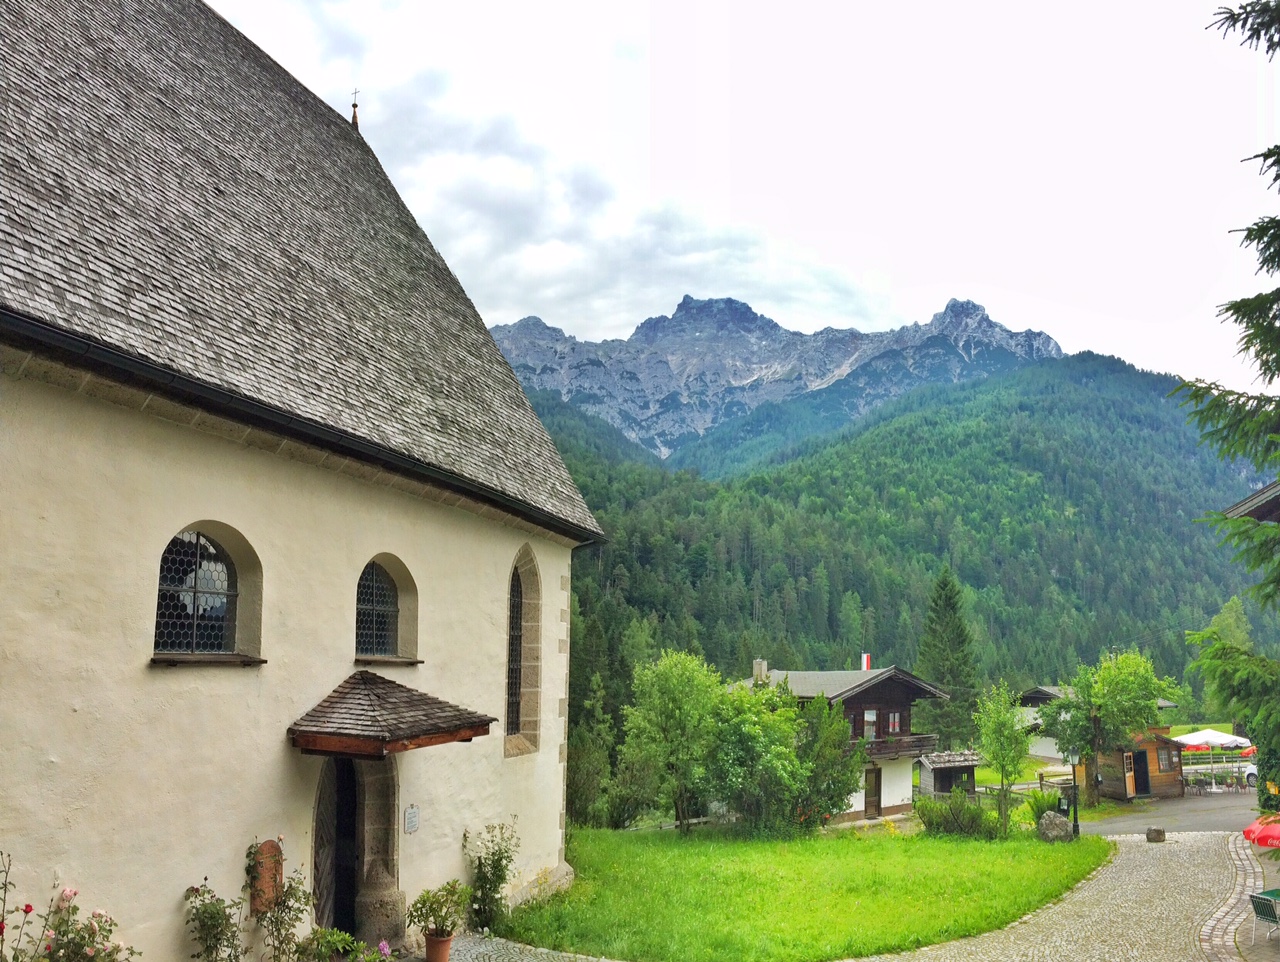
895, 790
1042, 747
132, 782
895, 782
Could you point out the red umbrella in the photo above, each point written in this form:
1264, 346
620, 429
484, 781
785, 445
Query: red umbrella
1249, 752
1265, 832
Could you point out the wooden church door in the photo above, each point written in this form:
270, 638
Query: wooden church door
336, 857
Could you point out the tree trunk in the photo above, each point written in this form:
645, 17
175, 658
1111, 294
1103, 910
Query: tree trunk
1091, 769
1089, 795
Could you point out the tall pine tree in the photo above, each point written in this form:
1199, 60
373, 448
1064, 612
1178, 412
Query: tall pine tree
1246, 426
947, 659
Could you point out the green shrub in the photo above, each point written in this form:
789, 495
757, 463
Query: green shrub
957, 815
1040, 802
440, 911
491, 854
215, 924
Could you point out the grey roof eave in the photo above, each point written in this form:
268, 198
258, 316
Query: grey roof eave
1262, 505
33, 333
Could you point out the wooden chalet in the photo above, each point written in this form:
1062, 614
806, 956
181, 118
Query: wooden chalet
877, 704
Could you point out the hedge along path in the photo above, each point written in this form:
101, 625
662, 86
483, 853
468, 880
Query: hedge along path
1151, 901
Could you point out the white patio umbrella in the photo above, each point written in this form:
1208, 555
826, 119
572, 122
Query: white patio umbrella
1211, 738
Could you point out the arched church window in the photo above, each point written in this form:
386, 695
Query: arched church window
196, 605
515, 651
377, 612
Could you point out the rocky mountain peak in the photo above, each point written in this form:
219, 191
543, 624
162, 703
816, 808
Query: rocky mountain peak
714, 360
701, 318
961, 314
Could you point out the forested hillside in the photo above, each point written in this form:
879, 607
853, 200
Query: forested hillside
1063, 495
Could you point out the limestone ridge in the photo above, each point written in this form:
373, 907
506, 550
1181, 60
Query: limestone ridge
711, 361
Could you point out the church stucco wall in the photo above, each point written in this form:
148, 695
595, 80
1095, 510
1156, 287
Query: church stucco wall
132, 781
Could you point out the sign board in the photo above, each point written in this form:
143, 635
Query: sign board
411, 819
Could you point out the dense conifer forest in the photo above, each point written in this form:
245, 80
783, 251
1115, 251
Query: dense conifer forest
1064, 496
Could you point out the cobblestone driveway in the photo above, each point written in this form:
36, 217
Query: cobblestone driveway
1152, 902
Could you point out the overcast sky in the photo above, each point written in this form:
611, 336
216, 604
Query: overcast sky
1075, 168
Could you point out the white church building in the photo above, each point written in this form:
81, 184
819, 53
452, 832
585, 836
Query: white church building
284, 550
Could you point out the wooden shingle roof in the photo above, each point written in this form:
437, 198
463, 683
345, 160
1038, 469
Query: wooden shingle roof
175, 206
840, 685
369, 716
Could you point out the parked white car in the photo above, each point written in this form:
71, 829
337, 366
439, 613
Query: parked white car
1251, 775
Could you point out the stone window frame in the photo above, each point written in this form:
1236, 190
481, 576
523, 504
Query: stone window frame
525, 741
406, 652
247, 636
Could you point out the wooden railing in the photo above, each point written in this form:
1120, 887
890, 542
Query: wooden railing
898, 746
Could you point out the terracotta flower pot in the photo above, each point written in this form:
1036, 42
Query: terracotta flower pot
437, 949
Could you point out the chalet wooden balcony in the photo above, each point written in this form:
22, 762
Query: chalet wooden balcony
902, 746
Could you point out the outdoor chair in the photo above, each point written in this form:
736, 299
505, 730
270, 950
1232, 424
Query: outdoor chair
1264, 908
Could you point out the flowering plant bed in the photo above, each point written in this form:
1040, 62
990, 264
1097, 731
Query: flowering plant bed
57, 932
657, 897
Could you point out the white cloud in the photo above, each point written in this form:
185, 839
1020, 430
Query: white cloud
530, 234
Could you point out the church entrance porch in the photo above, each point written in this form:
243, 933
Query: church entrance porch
356, 877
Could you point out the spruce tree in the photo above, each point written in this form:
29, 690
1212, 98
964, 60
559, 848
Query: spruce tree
1239, 424
947, 659
1246, 426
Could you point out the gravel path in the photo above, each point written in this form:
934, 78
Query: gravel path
1169, 902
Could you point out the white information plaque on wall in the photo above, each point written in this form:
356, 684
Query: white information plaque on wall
411, 819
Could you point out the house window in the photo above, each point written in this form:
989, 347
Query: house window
377, 612
895, 723
196, 605
869, 724
515, 651
1167, 759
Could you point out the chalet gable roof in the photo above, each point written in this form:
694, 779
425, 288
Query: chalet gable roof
1262, 505
177, 208
842, 685
1042, 694
369, 716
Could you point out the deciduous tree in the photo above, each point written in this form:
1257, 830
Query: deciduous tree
670, 727
1104, 708
1003, 739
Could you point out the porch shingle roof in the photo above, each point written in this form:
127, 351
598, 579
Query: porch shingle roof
372, 716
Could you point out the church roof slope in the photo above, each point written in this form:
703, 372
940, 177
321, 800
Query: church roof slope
173, 199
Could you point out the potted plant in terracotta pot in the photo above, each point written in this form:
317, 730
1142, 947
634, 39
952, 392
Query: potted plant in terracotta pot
439, 913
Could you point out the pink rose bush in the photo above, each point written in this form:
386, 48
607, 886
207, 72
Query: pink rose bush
59, 933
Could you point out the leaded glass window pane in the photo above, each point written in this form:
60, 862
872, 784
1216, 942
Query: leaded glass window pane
515, 637
377, 612
196, 605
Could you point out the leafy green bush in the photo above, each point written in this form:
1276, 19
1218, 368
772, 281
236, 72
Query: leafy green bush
957, 815
491, 854
1040, 802
752, 764
215, 924
440, 911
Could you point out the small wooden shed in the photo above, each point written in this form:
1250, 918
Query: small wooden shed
941, 772
1152, 768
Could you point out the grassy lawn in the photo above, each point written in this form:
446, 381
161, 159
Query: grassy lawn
657, 897
1176, 730
989, 776
1109, 808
